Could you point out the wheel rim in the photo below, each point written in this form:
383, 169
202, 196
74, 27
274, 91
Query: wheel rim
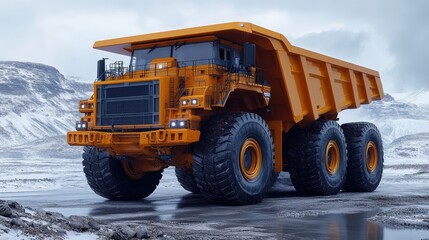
371, 156
250, 159
332, 157
130, 171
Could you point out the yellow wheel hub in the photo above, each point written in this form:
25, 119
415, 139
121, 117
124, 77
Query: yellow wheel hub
371, 156
250, 159
332, 157
131, 170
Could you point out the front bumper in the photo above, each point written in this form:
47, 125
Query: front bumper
133, 142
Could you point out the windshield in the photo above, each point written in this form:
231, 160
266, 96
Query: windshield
182, 52
144, 56
195, 51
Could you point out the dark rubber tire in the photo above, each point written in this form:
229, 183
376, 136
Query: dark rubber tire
216, 163
107, 178
359, 177
187, 180
307, 159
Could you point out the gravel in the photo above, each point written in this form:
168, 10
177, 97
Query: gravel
404, 217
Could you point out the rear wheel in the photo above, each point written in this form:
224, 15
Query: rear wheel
187, 180
234, 160
365, 153
115, 179
318, 159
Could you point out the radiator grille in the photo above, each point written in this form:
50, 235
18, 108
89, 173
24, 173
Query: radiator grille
128, 103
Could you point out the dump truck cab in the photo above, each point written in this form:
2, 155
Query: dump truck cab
156, 103
230, 106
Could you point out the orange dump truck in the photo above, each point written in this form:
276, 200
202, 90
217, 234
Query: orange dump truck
230, 106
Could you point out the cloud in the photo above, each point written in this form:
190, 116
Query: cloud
337, 42
390, 37
397, 35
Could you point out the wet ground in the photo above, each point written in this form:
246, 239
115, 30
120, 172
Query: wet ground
398, 208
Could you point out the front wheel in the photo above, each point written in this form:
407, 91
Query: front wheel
115, 180
234, 160
187, 180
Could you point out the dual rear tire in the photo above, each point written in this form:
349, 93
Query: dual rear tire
326, 157
365, 154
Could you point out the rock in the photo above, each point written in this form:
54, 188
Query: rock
16, 206
5, 210
93, 224
55, 215
14, 215
78, 223
123, 232
58, 229
40, 213
127, 231
160, 234
108, 233
18, 222
142, 232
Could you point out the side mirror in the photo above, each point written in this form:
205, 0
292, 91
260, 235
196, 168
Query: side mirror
249, 55
101, 69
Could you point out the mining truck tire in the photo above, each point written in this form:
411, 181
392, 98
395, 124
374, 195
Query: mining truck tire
234, 161
106, 177
187, 180
318, 159
365, 157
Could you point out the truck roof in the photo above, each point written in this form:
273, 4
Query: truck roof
238, 32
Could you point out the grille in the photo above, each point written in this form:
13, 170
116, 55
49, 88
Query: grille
128, 103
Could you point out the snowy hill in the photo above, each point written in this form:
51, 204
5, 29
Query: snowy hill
394, 118
37, 102
410, 146
420, 97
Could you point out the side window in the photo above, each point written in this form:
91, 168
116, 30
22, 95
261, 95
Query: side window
228, 55
222, 53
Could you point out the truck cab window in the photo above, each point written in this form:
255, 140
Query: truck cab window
222, 53
228, 55
145, 56
199, 52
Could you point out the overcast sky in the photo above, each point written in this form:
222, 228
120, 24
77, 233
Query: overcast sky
389, 36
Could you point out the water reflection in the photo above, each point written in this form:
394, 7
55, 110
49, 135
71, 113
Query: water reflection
348, 226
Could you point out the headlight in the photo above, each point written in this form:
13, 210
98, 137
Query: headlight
184, 102
81, 126
179, 124
194, 101
82, 106
182, 123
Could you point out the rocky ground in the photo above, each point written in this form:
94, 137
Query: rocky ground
18, 222
405, 217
